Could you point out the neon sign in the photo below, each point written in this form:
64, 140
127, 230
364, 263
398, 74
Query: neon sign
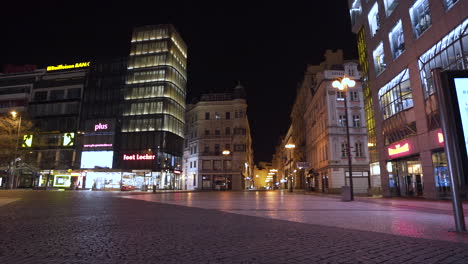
68, 66
399, 149
440, 137
97, 145
100, 127
139, 157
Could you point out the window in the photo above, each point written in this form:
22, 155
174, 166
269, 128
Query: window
195, 164
340, 96
57, 94
228, 131
379, 61
449, 3
359, 149
373, 17
354, 96
207, 116
217, 165
396, 95
190, 164
217, 132
206, 149
40, 96
420, 17
356, 121
355, 11
239, 131
206, 164
207, 132
342, 120
397, 40
344, 150
74, 93
236, 114
216, 148
241, 114
227, 164
390, 5
239, 147
228, 115
449, 53
217, 116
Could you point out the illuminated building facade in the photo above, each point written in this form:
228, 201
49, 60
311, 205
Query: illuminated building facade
154, 104
399, 43
326, 121
218, 148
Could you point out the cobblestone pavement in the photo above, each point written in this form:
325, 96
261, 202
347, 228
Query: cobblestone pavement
103, 227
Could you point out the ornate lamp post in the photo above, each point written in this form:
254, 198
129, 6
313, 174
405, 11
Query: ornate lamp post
290, 147
343, 85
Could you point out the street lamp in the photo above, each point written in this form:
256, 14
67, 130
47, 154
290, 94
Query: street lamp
343, 86
14, 114
290, 147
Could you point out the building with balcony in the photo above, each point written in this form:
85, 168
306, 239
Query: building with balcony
218, 147
399, 43
326, 121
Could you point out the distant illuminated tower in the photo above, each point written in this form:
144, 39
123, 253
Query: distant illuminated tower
154, 100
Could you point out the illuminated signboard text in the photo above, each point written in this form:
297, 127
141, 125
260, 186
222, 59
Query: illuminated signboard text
68, 66
399, 149
97, 145
139, 157
100, 127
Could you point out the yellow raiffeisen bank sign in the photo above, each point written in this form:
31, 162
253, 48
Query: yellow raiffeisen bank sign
68, 66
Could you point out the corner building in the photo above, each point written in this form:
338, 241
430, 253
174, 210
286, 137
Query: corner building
399, 43
154, 104
218, 150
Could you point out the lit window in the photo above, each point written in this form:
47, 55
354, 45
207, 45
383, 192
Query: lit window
342, 120
397, 40
355, 11
340, 96
373, 17
217, 116
396, 95
356, 121
449, 3
379, 60
390, 5
420, 17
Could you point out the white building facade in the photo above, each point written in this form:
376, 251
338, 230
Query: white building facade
326, 142
218, 147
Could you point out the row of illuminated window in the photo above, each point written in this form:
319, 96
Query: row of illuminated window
353, 96
450, 53
356, 120
152, 60
177, 41
54, 109
218, 132
168, 74
396, 95
143, 34
51, 95
170, 124
154, 107
149, 47
227, 115
154, 91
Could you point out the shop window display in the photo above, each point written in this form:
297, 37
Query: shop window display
373, 17
441, 174
397, 40
420, 17
390, 5
379, 59
396, 95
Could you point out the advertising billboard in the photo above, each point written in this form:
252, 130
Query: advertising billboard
92, 159
461, 90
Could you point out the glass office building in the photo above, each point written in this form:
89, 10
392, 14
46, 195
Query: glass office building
152, 118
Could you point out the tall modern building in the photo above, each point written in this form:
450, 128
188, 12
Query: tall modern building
154, 104
399, 43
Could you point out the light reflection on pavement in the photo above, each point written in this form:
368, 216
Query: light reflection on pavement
4, 201
404, 217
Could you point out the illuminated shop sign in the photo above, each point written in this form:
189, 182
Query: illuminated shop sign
101, 127
97, 145
68, 66
62, 180
68, 139
92, 159
398, 150
440, 137
139, 157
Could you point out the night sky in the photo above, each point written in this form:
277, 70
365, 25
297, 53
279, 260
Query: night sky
265, 45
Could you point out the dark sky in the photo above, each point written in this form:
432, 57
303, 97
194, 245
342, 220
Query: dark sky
264, 44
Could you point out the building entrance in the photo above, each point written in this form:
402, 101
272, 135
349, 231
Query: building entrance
405, 177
